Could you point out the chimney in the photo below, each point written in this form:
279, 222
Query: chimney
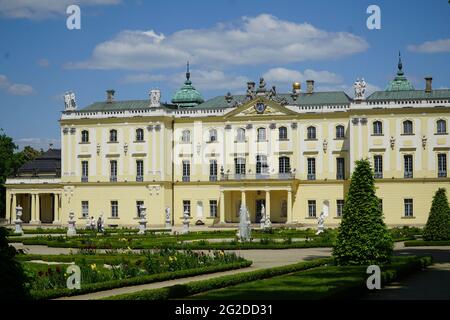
428, 81
309, 86
110, 96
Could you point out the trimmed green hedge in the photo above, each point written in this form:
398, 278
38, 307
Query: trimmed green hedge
100, 286
183, 290
420, 243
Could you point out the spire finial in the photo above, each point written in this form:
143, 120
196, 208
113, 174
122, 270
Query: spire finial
400, 65
188, 74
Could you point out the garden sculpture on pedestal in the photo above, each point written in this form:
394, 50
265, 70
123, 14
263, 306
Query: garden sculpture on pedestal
142, 220
168, 218
186, 218
322, 216
71, 231
244, 234
263, 217
18, 221
101, 223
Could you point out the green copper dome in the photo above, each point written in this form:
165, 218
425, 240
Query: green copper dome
400, 83
187, 95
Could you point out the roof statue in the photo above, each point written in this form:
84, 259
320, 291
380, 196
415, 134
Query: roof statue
360, 89
187, 95
400, 83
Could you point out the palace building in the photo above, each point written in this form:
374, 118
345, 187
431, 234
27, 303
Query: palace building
289, 153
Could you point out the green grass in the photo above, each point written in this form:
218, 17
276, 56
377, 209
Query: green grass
313, 284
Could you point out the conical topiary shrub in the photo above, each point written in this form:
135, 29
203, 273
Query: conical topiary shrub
363, 238
438, 223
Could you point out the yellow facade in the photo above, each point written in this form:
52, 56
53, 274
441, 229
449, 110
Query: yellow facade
173, 138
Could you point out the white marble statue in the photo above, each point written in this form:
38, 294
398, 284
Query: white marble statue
322, 216
360, 89
18, 222
244, 225
69, 101
186, 218
142, 219
168, 218
262, 222
155, 98
71, 231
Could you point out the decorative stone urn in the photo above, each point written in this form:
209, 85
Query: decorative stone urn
18, 221
71, 231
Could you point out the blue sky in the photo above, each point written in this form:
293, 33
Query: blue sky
133, 46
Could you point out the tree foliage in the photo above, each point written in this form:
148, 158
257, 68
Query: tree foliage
12, 276
438, 223
362, 235
10, 162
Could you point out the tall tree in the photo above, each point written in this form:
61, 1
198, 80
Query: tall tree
438, 223
362, 235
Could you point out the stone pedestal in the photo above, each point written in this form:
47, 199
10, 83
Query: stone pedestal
71, 231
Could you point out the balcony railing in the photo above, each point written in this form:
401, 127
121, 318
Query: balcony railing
139, 178
84, 179
113, 178
213, 178
186, 178
442, 174
408, 175
258, 176
311, 176
378, 175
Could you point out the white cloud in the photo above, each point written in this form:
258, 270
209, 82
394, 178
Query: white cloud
255, 40
16, 89
38, 143
42, 9
436, 46
288, 76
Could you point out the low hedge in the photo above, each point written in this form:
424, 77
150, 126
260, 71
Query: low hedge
420, 243
188, 289
113, 284
389, 273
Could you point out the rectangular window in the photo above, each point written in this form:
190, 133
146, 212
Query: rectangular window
311, 168
408, 207
139, 170
213, 208
339, 207
261, 164
85, 209
213, 170
239, 166
114, 209
113, 170
186, 170
442, 165
378, 166
187, 206
139, 203
311, 208
340, 168
84, 171
408, 160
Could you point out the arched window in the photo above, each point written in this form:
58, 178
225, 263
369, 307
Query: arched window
212, 135
284, 165
240, 137
113, 135
85, 136
282, 133
261, 134
139, 134
407, 127
340, 132
441, 126
377, 128
311, 132
186, 136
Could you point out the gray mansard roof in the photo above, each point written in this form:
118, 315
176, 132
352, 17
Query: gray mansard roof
49, 163
438, 94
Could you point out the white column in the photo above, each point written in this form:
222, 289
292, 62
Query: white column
243, 199
222, 206
37, 210
33, 207
289, 206
13, 209
268, 203
55, 209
